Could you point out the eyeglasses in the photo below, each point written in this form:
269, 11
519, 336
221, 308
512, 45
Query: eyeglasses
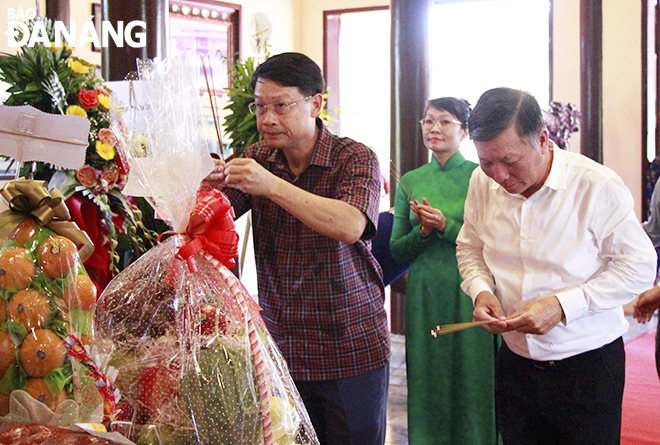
428, 124
279, 109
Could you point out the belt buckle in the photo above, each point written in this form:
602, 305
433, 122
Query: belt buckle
545, 365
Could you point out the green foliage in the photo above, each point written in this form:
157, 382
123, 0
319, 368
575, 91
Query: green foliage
241, 125
40, 76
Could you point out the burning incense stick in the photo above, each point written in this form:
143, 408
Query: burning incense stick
455, 327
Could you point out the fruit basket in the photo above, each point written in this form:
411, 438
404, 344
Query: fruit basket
46, 307
195, 363
195, 366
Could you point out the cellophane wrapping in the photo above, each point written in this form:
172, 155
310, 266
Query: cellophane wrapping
47, 375
195, 363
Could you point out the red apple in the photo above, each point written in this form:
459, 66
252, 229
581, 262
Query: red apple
156, 388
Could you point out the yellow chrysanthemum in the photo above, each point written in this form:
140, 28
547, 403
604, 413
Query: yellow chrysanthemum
104, 101
76, 111
77, 67
105, 151
52, 46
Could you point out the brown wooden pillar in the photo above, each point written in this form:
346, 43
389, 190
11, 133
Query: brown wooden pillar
59, 10
117, 62
410, 90
591, 78
410, 85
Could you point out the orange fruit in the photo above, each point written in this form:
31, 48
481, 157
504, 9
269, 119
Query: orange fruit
86, 340
16, 268
57, 255
23, 232
3, 311
30, 307
7, 352
38, 389
41, 352
80, 293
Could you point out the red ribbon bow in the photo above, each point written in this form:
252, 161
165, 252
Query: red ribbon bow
211, 227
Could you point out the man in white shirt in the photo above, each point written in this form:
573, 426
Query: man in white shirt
550, 251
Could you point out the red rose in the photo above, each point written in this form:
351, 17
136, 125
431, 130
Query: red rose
106, 136
86, 175
88, 98
102, 91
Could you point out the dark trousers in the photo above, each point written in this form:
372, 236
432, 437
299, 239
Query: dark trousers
350, 411
573, 401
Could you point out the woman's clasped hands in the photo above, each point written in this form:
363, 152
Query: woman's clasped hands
430, 218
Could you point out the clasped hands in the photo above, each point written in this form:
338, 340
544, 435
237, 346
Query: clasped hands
539, 317
430, 218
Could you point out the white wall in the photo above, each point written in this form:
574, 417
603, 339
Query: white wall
566, 61
282, 15
622, 92
11, 7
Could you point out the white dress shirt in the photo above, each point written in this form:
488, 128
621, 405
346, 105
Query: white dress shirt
576, 238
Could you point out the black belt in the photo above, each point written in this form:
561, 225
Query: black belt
569, 361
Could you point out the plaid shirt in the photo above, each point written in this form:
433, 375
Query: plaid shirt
322, 300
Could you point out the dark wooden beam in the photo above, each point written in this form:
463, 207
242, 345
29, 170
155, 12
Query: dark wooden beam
409, 93
117, 61
59, 10
591, 78
409, 83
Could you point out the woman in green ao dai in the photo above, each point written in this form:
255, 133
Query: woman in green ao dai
451, 377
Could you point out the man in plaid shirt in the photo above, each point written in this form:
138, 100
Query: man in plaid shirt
314, 199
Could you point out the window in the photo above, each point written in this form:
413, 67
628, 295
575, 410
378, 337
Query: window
476, 45
357, 70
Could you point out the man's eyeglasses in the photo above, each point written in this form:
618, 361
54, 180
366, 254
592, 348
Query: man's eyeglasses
428, 124
279, 109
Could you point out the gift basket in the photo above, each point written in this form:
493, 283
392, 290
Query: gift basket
47, 375
194, 361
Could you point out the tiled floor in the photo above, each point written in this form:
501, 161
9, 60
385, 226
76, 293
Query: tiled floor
397, 422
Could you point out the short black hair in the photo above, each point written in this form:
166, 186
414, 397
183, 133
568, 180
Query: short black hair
497, 108
291, 70
458, 107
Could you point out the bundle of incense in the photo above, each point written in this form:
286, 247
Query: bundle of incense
400, 181
212, 98
455, 327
